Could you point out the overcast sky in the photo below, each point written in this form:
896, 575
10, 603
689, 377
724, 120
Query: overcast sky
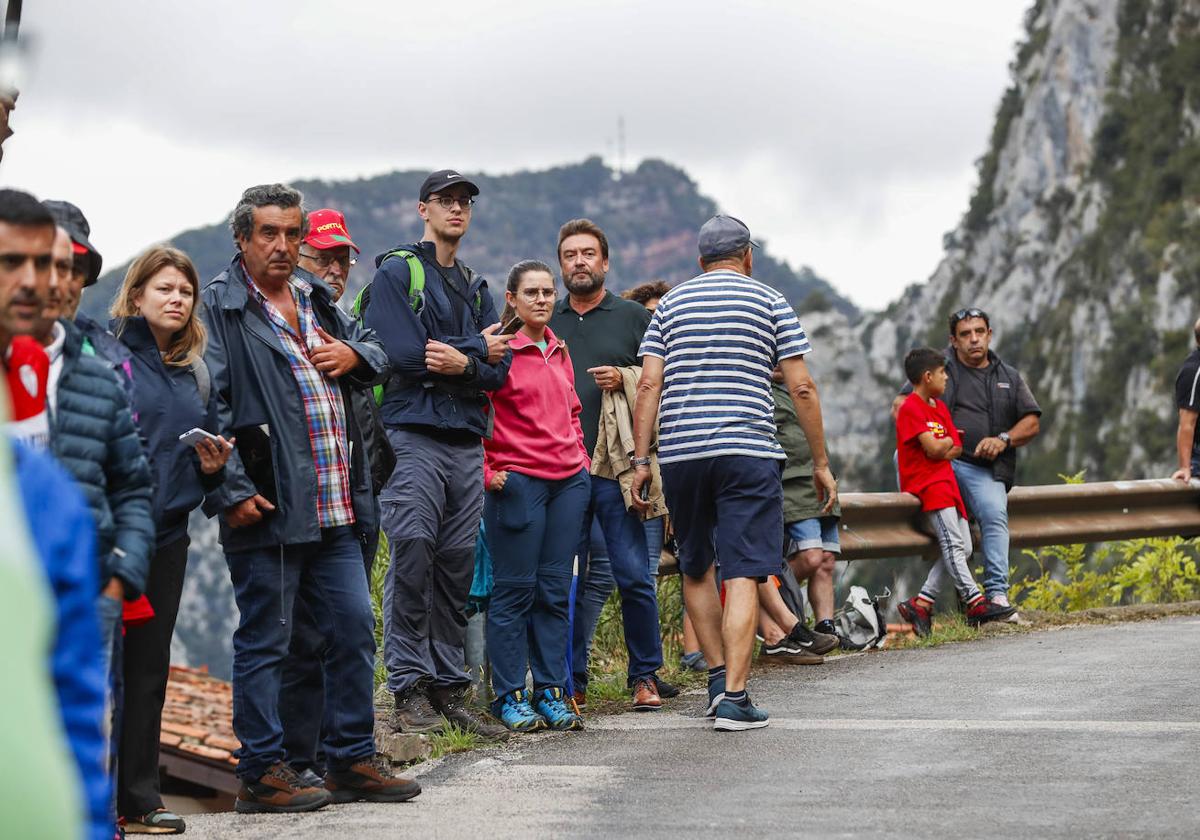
843, 132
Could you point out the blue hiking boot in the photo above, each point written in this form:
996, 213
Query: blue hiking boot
716, 693
552, 705
513, 710
737, 717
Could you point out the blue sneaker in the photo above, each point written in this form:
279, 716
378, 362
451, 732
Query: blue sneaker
736, 717
552, 706
514, 711
716, 693
693, 661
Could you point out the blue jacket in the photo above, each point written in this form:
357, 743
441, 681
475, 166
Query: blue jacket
414, 396
65, 540
166, 402
93, 436
254, 385
99, 342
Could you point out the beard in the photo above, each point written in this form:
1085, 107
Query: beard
584, 286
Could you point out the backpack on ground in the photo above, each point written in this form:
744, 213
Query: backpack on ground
860, 622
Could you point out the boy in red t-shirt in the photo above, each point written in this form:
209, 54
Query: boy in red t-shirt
926, 443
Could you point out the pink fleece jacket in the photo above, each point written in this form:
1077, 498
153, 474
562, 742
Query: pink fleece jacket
536, 430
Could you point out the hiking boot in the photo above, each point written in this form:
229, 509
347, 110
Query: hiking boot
738, 717
450, 703
693, 661
559, 716
310, 778
786, 651
917, 616
984, 611
645, 695
811, 641
161, 821
716, 693
580, 699
414, 713
513, 710
665, 689
279, 791
370, 780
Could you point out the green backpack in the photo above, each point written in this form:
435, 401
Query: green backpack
416, 296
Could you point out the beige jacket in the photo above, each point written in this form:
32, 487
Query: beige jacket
614, 443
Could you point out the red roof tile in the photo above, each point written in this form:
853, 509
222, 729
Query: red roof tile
197, 718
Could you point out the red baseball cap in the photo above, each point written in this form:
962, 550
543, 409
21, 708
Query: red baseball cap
327, 229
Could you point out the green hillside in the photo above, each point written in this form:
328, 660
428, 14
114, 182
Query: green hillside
651, 216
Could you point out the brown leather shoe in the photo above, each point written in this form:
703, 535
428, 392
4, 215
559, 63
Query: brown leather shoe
279, 791
370, 780
580, 699
645, 696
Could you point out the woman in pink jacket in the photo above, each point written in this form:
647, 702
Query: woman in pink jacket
536, 475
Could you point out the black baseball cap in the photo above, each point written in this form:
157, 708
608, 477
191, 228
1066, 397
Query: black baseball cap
71, 219
443, 178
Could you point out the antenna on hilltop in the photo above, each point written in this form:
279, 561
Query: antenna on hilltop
620, 145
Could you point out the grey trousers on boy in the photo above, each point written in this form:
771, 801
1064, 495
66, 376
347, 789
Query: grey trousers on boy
954, 539
430, 510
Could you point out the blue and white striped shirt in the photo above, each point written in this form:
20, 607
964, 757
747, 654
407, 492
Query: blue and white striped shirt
720, 335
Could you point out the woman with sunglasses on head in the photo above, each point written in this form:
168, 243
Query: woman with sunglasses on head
155, 317
536, 475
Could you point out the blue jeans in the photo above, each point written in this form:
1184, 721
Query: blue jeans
987, 500
625, 539
655, 532
592, 590
266, 582
532, 556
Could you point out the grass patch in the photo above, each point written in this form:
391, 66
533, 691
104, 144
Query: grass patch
949, 628
453, 740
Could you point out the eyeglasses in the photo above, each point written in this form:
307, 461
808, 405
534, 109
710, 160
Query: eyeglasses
537, 294
968, 313
324, 260
448, 201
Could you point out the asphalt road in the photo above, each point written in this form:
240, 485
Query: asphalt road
1079, 732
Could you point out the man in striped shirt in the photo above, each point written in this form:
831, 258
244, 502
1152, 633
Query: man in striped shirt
708, 355
1187, 400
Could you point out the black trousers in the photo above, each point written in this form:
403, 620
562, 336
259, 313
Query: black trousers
147, 661
302, 687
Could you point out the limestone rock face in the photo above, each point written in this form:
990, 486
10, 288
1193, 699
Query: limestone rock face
1075, 244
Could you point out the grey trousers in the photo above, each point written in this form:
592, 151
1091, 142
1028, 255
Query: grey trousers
954, 538
430, 508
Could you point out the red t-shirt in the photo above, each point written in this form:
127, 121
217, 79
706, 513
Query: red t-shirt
931, 481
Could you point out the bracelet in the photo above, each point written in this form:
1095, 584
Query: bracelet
640, 462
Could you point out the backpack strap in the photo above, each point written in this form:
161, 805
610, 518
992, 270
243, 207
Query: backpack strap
416, 277
199, 369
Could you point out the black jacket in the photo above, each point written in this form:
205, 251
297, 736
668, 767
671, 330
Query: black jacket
166, 403
254, 385
414, 396
1006, 408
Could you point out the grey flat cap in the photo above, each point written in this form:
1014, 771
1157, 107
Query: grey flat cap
723, 235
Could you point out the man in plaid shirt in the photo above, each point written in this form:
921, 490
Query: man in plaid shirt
283, 359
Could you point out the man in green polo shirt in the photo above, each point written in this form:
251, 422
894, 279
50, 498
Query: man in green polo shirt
603, 333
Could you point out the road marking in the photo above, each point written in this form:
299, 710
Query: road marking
628, 723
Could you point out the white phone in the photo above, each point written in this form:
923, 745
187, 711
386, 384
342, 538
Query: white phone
191, 438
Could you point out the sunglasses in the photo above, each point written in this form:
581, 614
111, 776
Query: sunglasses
973, 312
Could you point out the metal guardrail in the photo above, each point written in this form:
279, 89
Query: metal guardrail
879, 525
889, 524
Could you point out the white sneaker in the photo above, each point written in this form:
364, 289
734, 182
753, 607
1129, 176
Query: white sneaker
1002, 600
1015, 618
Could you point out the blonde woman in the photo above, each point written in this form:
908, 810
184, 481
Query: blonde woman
155, 317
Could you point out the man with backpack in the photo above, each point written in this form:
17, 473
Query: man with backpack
438, 323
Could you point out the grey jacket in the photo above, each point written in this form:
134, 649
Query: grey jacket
254, 385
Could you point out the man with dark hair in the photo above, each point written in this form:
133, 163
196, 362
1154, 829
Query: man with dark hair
708, 354
438, 323
647, 294
603, 332
26, 256
283, 359
996, 412
1187, 400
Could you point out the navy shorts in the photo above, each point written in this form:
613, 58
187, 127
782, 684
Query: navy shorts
729, 507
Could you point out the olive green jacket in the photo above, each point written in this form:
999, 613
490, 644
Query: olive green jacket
799, 494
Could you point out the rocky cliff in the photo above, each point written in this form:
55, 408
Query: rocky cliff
1080, 242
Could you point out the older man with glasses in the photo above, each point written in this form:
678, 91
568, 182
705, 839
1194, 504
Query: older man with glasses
325, 252
995, 412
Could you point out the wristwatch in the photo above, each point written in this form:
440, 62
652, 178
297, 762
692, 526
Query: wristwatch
640, 462
470, 370
1004, 437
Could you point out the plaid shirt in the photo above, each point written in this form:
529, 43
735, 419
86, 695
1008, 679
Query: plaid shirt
323, 409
